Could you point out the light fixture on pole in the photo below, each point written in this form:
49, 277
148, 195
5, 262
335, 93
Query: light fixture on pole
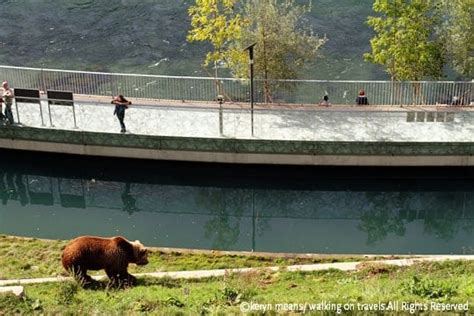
250, 49
220, 100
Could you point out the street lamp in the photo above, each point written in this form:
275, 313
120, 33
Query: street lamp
250, 49
220, 100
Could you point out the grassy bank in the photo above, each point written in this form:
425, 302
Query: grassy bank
33, 258
424, 283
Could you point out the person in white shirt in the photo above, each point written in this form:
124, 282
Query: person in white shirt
8, 99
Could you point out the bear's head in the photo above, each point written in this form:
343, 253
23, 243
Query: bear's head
140, 253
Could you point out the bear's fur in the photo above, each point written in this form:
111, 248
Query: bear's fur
96, 253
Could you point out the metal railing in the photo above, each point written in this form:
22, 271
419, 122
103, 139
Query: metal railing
238, 90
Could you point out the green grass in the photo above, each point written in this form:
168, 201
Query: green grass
449, 282
30, 258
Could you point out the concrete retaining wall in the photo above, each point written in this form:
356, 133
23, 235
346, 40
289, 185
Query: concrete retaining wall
246, 151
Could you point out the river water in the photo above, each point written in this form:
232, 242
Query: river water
260, 208
149, 36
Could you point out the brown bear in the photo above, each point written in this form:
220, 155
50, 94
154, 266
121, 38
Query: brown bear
96, 253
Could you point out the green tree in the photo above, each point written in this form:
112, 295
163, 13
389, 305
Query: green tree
284, 43
405, 42
457, 33
216, 22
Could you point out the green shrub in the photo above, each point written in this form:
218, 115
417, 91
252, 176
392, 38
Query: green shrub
428, 288
67, 292
174, 301
146, 306
11, 304
231, 295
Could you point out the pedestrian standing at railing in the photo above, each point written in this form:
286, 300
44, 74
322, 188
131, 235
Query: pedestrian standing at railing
121, 104
362, 98
2, 117
8, 99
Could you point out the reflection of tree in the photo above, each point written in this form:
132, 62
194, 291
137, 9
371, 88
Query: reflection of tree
21, 190
441, 212
222, 231
261, 212
443, 220
262, 221
468, 225
12, 194
3, 189
443, 226
12, 188
129, 201
382, 216
228, 206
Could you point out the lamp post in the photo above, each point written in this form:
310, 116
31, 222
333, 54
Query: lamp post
250, 49
220, 100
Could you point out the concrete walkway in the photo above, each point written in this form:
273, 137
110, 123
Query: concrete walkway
201, 274
304, 123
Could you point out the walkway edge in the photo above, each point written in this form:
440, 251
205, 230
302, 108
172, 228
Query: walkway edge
202, 274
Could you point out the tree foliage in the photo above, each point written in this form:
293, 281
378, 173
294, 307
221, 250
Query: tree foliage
405, 42
284, 43
216, 22
457, 33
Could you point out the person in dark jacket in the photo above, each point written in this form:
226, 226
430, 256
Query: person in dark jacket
121, 104
325, 101
362, 98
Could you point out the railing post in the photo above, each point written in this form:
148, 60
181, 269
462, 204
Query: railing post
43, 81
41, 113
49, 112
43, 88
74, 115
391, 92
221, 120
111, 86
402, 92
17, 112
220, 99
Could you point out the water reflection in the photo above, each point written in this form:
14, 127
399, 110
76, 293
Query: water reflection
339, 217
128, 200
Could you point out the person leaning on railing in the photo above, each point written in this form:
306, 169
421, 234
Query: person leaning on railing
8, 98
121, 104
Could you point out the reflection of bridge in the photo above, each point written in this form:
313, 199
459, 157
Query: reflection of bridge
192, 130
238, 218
240, 202
354, 210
